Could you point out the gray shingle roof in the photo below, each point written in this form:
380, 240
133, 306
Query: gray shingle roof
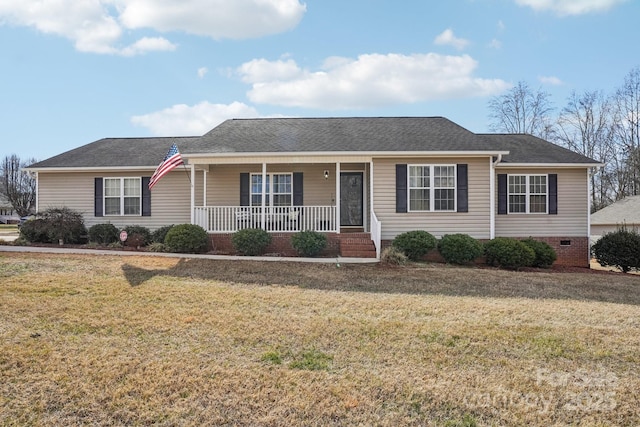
111, 152
525, 148
372, 134
625, 211
313, 135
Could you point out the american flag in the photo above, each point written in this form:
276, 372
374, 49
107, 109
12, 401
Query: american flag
171, 160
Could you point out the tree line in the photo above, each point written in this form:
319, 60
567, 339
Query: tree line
604, 127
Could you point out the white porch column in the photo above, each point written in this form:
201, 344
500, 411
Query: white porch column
193, 194
338, 197
264, 193
371, 192
204, 190
38, 192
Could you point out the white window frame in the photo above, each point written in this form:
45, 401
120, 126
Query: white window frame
269, 189
432, 188
528, 193
122, 195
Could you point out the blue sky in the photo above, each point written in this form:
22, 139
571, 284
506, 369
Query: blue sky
77, 71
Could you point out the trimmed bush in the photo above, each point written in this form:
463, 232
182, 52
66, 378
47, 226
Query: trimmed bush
545, 254
620, 249
186, 238
393, 256
309, 243
53, 225
415, 244
251, 241
459, 248
35, 231
137, 235
508, 253
103, 233
157, 247
159, 235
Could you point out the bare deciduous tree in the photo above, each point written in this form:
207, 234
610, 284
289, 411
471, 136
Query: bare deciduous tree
585, 126
626, 103
18, 185
521, 110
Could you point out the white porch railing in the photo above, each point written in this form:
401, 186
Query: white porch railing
376, 232
229, 219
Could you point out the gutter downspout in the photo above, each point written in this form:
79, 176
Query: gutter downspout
492, 195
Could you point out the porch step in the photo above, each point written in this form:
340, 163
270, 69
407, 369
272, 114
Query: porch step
357, 246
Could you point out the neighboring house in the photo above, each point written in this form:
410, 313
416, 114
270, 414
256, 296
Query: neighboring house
625, 212
7, 214
362, 181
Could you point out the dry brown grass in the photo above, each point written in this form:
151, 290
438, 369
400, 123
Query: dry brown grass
137, 340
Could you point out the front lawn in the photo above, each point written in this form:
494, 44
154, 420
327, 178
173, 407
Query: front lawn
108, 340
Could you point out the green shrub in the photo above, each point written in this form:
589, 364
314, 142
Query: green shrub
159, 235
35, 231
545, 254
53, 225
137, 235
620, 249
157, 247
508, 253
415, 244
187, 238
393, 256
103, 233
251, 241
459, 248
309, 243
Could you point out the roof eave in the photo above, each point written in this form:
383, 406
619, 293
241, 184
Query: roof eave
377, 154
90, 169
548, 165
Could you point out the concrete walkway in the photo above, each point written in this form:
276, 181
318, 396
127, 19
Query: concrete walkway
53, 250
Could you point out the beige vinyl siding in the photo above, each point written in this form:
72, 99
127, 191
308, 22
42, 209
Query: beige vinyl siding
572, 217
170, 197
476, 222
223, 182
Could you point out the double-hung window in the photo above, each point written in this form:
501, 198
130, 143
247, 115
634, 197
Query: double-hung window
432, 187
122, 196
528, 193
278, 190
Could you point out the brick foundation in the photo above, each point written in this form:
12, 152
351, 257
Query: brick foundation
280, 244
575, 254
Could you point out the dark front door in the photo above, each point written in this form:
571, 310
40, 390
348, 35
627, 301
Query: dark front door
351, 199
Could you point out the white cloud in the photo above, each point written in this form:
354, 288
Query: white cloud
501, 25
98, 26
237, 19
202, 71
368, 81
448, 38
495, 44
148, 44
550, 80
182, 119
570, 7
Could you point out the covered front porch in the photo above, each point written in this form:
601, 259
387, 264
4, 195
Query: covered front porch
282, 197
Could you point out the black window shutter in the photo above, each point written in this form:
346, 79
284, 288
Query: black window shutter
244, 189
298, 193
401, 188
97, 202
502, 194
146, 196
463, 188
553, 194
